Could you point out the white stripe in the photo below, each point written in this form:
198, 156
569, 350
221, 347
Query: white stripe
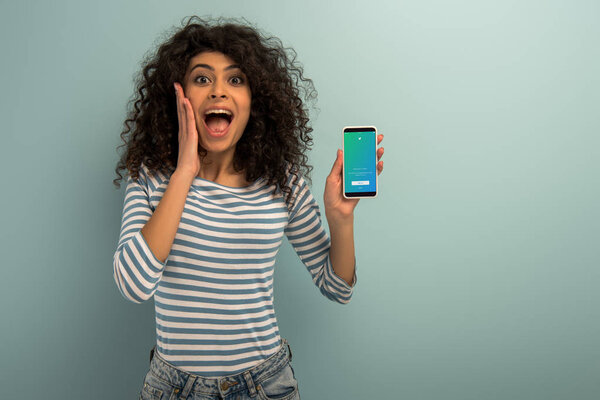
236, 224
218, 336
223, 328
237, 286
209, 295
225, 246
191, 202
221, 317
267, 264
224, 347
232, 235
278, 212
225, 275
213, 306
213, 254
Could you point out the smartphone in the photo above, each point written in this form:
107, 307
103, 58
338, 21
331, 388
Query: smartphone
360, 161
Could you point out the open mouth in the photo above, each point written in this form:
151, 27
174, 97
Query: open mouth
217, 121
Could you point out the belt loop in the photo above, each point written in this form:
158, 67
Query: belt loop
188, 387
250, 383
152, 353
289, 349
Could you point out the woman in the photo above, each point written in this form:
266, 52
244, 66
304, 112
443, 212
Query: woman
216, 163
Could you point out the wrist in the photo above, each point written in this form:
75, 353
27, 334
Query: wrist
183, 175
337, 219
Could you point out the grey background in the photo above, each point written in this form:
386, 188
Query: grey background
477, 264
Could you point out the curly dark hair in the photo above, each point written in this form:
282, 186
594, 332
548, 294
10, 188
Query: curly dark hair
277, 134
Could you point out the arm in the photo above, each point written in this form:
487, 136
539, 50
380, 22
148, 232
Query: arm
340, 216
341, 252
309, 239
146, 236
160, 230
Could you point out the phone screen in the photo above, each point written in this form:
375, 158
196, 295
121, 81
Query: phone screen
360, 151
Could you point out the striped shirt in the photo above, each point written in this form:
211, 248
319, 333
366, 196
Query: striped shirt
213, 295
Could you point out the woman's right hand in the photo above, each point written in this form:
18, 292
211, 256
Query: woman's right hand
188, 160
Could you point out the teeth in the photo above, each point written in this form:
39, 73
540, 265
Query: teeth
218, 111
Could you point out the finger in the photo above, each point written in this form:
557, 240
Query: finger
379, 138
180, 112
379, 153
379, 167
191, 123
177, 102
186, 113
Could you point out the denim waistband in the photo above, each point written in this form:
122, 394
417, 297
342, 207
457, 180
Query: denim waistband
223, 385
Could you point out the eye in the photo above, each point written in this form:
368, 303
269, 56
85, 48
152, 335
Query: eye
201, 79
237, 80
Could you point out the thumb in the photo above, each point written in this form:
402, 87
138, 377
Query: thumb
337, 165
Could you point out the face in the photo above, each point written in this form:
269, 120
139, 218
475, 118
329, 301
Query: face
220, 96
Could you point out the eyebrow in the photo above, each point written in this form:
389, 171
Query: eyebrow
232, 66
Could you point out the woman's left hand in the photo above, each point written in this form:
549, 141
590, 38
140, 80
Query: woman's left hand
336, 205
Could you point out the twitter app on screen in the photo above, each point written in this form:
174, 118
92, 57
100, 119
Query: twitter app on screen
359, 161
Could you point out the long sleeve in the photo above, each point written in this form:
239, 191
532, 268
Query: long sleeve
136, 269
311, 242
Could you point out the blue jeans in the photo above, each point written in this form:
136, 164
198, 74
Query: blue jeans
273, 378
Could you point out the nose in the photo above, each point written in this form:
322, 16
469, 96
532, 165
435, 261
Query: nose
218, 90
214, 95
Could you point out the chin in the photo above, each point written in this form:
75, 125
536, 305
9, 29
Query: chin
216, 146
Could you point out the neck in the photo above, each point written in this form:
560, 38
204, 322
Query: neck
218, 167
